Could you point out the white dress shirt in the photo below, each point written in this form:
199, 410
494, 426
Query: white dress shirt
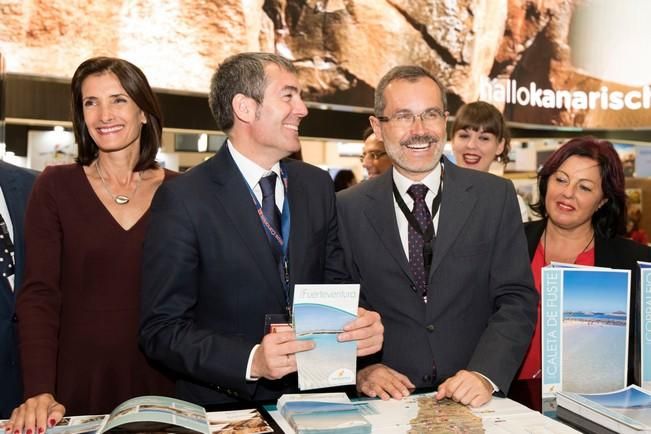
252, 174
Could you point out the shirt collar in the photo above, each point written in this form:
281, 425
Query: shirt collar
432, 180
250, 170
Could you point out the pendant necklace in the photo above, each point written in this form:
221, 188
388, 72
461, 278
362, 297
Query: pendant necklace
120, 199
580, 253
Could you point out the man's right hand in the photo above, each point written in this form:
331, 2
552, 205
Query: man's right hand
35, 415
275, 357
383, 382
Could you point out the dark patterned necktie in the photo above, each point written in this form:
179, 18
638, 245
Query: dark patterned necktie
416, 241
271, 212
6, 248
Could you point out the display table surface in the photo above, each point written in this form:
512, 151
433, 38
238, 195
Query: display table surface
420, 412
500, 415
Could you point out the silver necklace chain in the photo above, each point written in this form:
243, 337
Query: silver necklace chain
120, 199
580, 253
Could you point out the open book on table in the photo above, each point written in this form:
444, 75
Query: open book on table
162, 414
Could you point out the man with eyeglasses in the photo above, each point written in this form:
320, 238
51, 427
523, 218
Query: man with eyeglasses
374, 158
440, 253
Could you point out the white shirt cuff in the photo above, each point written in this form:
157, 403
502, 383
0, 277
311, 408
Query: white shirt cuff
495, 388
250, 362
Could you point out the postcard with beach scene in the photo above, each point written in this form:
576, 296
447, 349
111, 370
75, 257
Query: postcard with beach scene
585, 321
645, 324
627, 410
319, 314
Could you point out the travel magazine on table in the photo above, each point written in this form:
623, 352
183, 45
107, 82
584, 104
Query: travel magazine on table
163, 414
626, 410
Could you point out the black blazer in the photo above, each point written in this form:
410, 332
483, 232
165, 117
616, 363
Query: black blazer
620, 253
209, 276
16, 185
482, 303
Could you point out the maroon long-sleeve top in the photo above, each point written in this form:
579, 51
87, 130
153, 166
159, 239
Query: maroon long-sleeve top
78, 308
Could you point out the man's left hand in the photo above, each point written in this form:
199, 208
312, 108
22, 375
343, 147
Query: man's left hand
367, 330
466, 387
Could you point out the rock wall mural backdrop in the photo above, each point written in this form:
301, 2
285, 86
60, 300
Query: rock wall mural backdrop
541, 61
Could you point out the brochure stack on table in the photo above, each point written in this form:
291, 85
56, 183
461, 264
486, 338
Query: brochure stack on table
626, 411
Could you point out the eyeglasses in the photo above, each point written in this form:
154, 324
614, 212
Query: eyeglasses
373, 155
407, 118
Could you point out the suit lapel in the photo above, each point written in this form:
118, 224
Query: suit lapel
457, 203
379, 209
235, 197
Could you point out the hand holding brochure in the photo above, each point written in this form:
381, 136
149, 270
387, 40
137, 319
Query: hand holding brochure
320, 313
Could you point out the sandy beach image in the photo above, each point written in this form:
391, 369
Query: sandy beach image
594, 354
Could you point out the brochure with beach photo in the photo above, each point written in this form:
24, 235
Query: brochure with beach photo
162, 414
645, 324
585, 322
319, 314
626, 410
322, 413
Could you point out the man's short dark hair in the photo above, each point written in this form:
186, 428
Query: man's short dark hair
367, 133
405, 72
241, 73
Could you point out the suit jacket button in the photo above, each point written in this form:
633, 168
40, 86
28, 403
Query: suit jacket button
430, 328
14, 318
427, 378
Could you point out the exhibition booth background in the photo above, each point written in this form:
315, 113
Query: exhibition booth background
557, 69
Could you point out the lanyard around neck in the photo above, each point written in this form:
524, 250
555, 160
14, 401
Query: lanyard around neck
428, 234
283, 240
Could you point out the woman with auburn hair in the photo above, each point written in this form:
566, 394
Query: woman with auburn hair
583, 209
479, 137
78, 308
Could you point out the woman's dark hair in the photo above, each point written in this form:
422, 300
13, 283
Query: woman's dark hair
482, 116
609, 220
343, 179
137, 87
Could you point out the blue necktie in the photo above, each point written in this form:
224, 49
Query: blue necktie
416, 241
271, 212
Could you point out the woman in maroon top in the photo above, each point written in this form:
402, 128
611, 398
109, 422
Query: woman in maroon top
85, 225
583, 206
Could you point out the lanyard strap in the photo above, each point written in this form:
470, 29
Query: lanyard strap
283, 238
428, 234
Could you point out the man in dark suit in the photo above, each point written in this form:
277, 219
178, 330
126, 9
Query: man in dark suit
15, 185
219, 255
441, 255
